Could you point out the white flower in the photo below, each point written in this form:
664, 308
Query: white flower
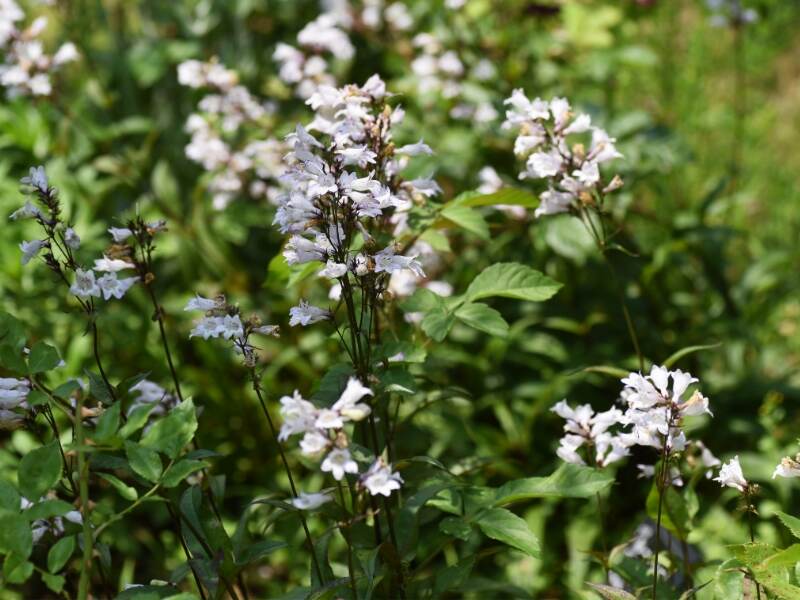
28, 211
313, 443
207, 327
298, 415
328, 419
387, 261
310, 501
112, 265
305, 314
71, 238
66, 53
553, 202
200, 303
85, 284
415, 149
273, 330
730, 475
333, 270
544, 164
348, 404
13, 392
231, 327
30, 250
120, 234
338, 462
110, 285
380, 479
788, 467
36, 178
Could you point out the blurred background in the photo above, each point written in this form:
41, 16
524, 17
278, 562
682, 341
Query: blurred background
705, 106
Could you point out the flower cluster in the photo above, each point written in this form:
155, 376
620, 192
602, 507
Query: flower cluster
323, 431
13, 395
219, 135
730, 13
349, 186
730, 475
585, 427
53, 526
26, 69
149, 393
61, 237
551, 140
223, 320
788, 467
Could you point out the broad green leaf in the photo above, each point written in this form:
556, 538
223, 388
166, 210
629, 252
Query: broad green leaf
510, 196
398, 380
614, 372
9, 497
729, 580
483, 318
107, 424
504, 526
43, 357
172, 433
15, 535
55, 583
98, 388
788, 557
36, 398
39, 470
124, 490
12, 332
453, 576
568, 481
511, 280
47, 509
455, 527
144, 461
792, 523
16, 570
59, 553
438, 322
12, 359
180, 471
136, 420
675, 514
468, 219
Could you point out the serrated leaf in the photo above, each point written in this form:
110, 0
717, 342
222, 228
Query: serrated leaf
568, 481
455, 527
792, 523
39, 470
107, 424
438, 323
144, 461
504, 526
136, 420
483, 318
15, 535
511, 280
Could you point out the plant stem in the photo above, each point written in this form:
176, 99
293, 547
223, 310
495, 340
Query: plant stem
84, 584
97, 360
186, 551
346, 536
273, 431
661, 486
159, 316
752, 536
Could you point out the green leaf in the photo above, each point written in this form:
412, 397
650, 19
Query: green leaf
9, 496
55, 583
47, 509
43, 357
98, 388
398, 380
36, 398
172, 433
467, 218
107, 424
438, 322
610, 593
12, 359
504, 526
180, 471
788, 557
510, 195
614, 372
59, 553
144, 461
453, 576
12, 332
568, 481
16, 570
136, 420
675, 511
15, 535
792, 523
673, 358
124, 490
729, 580
483, 318
258, 550
511, 280
455, 527
39, 470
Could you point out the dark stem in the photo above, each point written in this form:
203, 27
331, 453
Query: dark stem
186, 551
160, 318
661, 486
257, 389
346, 535
97, 360
752, 535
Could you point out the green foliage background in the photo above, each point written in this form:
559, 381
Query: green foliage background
714, 252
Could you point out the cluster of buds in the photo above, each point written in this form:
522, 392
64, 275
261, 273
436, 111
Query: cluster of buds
730, 13
788, 467
26, 69
223, 320
324, 433
585, 427
227, 135
551, 140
